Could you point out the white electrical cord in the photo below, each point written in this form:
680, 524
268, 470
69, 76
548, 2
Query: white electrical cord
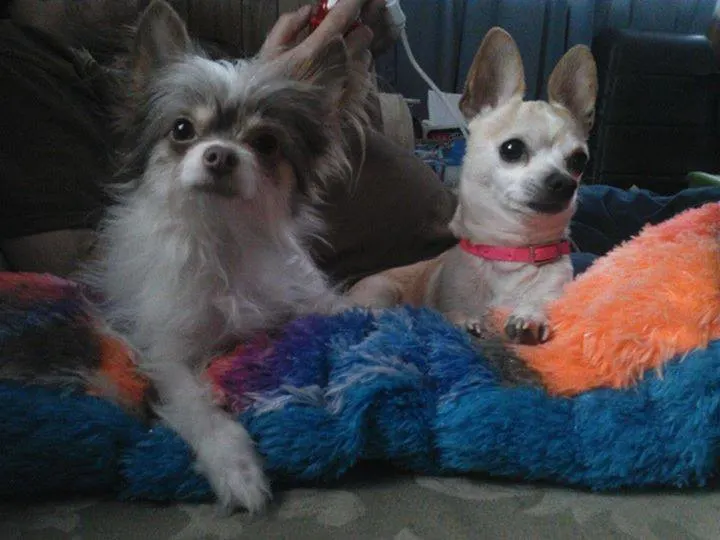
450, 107
397, 19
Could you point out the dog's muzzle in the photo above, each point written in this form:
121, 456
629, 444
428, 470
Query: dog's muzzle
557, 191
220, 163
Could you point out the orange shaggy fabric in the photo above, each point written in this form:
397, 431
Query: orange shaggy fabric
127, 386
654, 297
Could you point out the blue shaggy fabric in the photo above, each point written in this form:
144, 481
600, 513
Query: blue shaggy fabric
404, 387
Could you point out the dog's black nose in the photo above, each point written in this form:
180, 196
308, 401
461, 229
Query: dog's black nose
560, 186
220, 159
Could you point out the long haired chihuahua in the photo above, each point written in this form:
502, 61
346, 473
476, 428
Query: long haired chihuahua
207, 243
517, 195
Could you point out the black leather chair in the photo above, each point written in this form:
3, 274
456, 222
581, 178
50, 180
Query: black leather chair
658, 111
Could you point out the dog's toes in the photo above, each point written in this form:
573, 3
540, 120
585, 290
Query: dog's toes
231, 465
527, 330
515, 327
246, 487
475, 327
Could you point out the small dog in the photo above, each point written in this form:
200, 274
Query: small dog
207, 243
516, 197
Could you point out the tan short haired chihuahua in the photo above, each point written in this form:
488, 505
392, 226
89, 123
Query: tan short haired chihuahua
517, 194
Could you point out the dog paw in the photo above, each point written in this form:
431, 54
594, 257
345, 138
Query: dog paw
527, 330
330, 304
228, 460
475, 327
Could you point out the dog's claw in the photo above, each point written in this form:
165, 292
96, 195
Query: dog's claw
543, 332
511, 329
475, 327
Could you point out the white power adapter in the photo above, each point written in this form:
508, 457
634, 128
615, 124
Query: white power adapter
397, 20
396, 14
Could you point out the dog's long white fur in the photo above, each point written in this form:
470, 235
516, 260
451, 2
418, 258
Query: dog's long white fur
193, 273
186, 270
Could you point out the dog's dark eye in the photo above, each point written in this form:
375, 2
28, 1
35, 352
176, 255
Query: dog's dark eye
576, 162
264, 144
513, 150
183, 130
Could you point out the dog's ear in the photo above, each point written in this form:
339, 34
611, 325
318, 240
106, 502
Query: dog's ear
161, 36
329, 69
573, 84
496, 74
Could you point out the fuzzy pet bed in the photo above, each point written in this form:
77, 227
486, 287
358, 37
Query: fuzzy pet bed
633, 372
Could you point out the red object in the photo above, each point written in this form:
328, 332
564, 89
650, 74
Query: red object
322, 8
531, 254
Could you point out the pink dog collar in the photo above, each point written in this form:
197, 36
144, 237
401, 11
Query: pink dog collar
533, 254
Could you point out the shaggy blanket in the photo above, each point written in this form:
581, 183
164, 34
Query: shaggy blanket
403, 386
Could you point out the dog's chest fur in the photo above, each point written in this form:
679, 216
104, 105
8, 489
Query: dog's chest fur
464, 282
212, 281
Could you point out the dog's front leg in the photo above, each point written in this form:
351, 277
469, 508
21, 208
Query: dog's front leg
528, 322
225, 452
